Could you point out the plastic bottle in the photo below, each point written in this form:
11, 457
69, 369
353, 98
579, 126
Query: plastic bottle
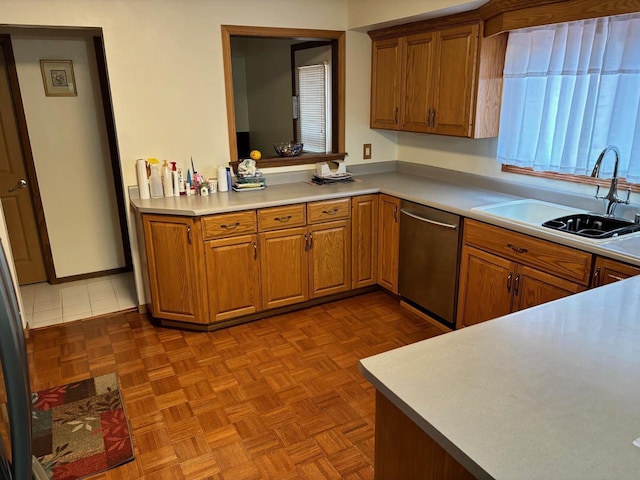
223, 186
155, 182
167, 182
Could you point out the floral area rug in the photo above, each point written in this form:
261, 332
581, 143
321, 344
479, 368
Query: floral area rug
80, 429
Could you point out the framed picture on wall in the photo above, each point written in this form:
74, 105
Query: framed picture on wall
58, 78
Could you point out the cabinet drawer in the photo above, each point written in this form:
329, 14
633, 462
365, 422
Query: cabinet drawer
281, 217
227, 224
329, 210
549, 257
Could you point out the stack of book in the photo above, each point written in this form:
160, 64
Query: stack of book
245, 183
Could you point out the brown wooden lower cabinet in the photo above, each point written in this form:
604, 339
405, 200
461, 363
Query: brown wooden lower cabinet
503, 272
364, 240
284, 267
388, 242
403, 451
233, 279
176, 278
329, 258
608, 271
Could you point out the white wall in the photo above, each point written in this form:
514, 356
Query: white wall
71, 156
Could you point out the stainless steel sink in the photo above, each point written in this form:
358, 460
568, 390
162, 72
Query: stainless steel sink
593, 226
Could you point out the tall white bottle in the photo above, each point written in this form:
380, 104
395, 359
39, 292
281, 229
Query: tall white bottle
223, 185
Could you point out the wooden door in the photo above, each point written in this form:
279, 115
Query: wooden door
329, 258
608, 271
385, 83
18, 205
533, 287
454, 80
388, 242
486, 282
364, 240
417, 82
233, 281
283, 267
173, 246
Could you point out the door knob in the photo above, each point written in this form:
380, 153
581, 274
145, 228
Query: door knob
21, 184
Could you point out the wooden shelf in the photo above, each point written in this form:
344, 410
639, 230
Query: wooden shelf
302, 159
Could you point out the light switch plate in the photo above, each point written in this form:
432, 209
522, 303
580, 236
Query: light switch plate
366, 151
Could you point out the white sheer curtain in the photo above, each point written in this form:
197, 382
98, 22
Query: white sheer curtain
570, 90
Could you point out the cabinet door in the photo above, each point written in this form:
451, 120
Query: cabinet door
388, 242
364, 240
486, 282
532, 287
417, 82
608, 271
454, 80
330, 258
173, 247
385, 83
283, 267
232, 277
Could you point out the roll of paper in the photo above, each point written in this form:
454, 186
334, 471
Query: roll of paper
143, 181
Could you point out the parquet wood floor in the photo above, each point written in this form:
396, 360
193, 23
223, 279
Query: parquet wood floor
279, 398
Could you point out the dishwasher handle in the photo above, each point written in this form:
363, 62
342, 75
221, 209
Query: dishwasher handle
426, 220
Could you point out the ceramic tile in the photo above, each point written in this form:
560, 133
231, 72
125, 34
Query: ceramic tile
78, 298
82, 308
40, 306
101, 295
46, 316
78, 316
107, 304
99, 286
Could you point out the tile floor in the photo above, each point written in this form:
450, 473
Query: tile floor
46, 304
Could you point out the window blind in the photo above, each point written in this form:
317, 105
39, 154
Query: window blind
314, 92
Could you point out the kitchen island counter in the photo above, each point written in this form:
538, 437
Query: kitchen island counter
551, 392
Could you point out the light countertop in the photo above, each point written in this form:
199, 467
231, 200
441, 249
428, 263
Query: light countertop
551, 392
452, 197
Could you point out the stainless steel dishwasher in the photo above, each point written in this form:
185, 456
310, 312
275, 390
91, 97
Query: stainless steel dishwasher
429, 258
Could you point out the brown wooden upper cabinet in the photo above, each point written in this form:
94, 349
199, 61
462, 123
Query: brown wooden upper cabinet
446, 81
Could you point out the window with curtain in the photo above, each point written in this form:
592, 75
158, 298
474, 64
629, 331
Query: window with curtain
314, 103
569, 91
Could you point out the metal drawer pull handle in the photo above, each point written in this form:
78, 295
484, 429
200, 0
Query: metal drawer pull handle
255, 251
333, 211
282, 219
426, 220
517, 249
516, 285
509, 281
189, 239
230, 226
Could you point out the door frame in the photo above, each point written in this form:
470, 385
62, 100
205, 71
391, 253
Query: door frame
114, 154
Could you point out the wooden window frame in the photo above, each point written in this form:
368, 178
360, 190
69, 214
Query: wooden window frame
566, 177
336, 36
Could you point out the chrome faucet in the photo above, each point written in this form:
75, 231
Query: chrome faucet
612, 195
